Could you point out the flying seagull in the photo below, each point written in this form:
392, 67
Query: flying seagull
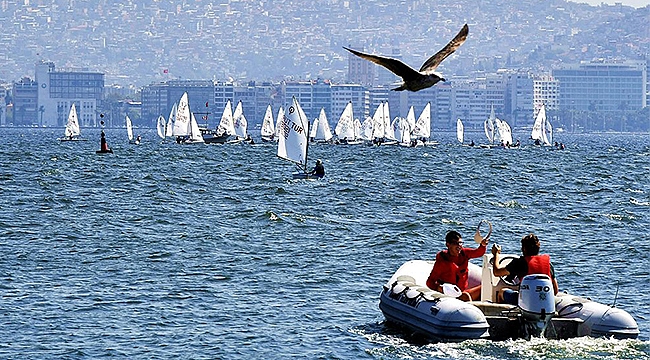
426, 77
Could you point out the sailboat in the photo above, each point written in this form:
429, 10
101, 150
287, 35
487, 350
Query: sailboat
268, 127
129, 131
186, 129
278, 121
365, 132
160, 126
224, 130
489, 126
72, 130
505, 133
345, 127
321, 129
539, 132
402, 131
460, 131
240, 124
410, 118
389, 133
169, 130
292, 141
422, 131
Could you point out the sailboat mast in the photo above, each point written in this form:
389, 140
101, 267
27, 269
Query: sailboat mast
306, 139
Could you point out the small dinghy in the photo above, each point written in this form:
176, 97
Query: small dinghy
406, 301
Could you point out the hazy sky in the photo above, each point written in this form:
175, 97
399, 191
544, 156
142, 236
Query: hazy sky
635, 3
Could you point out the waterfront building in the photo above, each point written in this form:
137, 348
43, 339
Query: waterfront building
472, 100
594, 96
302, 90
223, 91
344, 93
25, 103
515, 104
3, 105
58, 89
546, 91
158, 99
322, 99
604, 86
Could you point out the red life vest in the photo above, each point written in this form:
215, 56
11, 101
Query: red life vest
539, 264
447, 271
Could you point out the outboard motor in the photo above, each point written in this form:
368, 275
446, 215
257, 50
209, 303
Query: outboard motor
537, 303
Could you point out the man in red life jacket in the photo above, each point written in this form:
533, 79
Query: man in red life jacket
451, 266
529, 263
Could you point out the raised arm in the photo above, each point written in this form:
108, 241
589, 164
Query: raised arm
496, 269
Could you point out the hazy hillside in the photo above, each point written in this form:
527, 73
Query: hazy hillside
134, 42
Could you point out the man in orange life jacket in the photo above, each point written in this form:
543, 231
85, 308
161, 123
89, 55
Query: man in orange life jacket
451, 266
529, 263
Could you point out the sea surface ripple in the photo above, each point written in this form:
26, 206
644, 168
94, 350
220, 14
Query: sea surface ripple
212, 252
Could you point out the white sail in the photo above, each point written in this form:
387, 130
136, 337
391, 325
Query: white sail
460, 131
268, 127
313, 128
378, 122
423, 124
488, 126
169, 130
539, 127
239, 121
549, 132
345, 127
388, 129
226, 124
278, 121
182, 119
505, 133
410, 119
292, 140
195, 133
322, 131
401, 130
72, 126
129, 128
160, 126
357, 129
366, 129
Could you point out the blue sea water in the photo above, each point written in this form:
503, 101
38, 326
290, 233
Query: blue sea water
212, 252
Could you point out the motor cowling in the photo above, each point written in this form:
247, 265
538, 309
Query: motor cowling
536, 302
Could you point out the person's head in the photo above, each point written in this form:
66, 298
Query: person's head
454, 242
530, 245
318, 162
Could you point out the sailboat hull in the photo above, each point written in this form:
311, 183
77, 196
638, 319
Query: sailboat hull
305, 176
212, 138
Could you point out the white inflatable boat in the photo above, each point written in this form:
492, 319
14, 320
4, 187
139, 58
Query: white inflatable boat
407, 301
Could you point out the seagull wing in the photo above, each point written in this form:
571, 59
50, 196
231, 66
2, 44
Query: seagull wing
399, 68
432, 63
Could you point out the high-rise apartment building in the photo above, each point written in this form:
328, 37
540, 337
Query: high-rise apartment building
603, 86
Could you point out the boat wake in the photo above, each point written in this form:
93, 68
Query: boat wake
392, 343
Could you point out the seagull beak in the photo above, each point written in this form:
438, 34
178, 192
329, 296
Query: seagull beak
443, 80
